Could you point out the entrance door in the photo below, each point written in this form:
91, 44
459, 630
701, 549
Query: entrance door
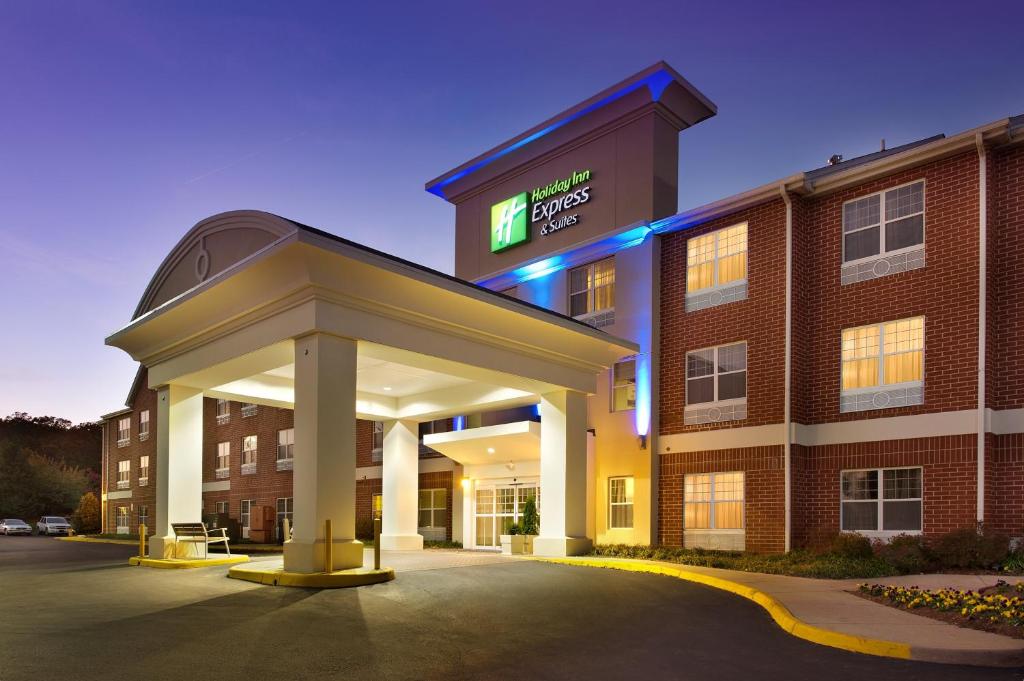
498, 507
245, 515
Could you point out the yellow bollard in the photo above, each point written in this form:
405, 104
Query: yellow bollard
142, 541
328, 547
376, 543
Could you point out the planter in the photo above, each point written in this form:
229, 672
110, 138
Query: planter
517, 544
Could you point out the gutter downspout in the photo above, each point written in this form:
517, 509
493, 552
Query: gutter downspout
787, 367
982, 296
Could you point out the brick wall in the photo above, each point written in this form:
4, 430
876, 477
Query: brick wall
144, 400
764, 481
367, 487
1004, 486
1005, 367
759, 320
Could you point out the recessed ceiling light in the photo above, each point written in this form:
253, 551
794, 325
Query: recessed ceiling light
490, 450
387, 388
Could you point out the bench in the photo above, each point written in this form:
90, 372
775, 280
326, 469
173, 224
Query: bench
197, 533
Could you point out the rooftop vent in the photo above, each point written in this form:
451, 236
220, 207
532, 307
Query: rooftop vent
835, 159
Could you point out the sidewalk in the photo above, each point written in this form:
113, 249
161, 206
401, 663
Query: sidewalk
821, 610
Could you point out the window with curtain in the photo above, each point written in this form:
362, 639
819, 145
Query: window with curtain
624, 385
716, 259
592, 288
620, 503
890, 353
713, 501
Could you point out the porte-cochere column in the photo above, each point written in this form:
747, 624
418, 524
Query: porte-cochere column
400, 486
179, 467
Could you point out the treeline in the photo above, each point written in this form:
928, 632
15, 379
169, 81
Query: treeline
46, 465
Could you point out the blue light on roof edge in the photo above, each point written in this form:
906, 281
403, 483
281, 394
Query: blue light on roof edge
655, 83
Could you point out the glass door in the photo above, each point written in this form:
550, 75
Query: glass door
245, 515
497, 508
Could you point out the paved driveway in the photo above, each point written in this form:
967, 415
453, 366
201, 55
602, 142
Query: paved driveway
76, 611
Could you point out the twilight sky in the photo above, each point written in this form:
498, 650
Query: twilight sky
122, 124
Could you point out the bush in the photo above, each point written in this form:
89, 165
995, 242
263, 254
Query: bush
86, 519
531, 521
971, 548
906, 553
850, 545
1014, 563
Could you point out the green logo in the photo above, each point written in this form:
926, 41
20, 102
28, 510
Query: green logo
509, 226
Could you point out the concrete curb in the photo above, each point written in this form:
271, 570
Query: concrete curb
182, 563
319, 580
796, 627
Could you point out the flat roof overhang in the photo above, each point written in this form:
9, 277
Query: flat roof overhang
506, 442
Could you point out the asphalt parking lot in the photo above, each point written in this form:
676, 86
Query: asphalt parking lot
74, 610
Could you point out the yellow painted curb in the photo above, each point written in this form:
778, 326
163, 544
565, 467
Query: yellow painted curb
179, 563
100, 540
320, 580
779, 612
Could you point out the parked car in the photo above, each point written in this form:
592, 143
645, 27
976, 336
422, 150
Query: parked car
53, 524
14, 526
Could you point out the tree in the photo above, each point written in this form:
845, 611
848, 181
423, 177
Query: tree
87, 517
531, 521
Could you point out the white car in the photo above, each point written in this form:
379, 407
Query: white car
53, 524
14, 526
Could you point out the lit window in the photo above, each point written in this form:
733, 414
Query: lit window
620, 503
223, 459
223, 411
891, 353
122, 520
713, 501
894, 506
433, 507
716, 374
624, 385
717, 259
143, 470
248, 454
377, 505
144, 425
887, 222
124, 472
124, 431
592, 292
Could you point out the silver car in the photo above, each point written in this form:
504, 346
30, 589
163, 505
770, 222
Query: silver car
53, 524
14, 526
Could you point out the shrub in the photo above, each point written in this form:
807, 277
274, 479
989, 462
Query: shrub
906, 553
364, 528
531, 521
850, 545
971, 548
1014, 563
86, 519
514, 529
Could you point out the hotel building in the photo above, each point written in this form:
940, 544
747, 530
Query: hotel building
836, 350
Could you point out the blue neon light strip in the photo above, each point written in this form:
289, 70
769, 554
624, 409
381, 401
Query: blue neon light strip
656, 83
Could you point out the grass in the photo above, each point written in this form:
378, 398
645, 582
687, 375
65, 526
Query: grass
794, 564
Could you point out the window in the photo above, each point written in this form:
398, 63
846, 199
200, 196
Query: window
221, 507
144, 425
124, 471
143, 471
892, 506
890, 353
124, 431
223, 412
248, 409
223, 459
620, 503
122, 520
883, 223
143, 515
244, 515
717, 259
433, 507
377, 505
284, 509
377, 453
716, 374
248, 454
624, 385
285, 448
592, 292
713, 501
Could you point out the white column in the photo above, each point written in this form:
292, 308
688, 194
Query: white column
400, 486
563, 475
324, 472
458, 491
179, 466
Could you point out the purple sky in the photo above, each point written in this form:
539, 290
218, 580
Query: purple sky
123, 124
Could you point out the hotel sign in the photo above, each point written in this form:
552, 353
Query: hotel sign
512, 220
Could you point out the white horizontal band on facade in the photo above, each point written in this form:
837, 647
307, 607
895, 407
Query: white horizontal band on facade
217, 486
438, 465
941, 424
121, 494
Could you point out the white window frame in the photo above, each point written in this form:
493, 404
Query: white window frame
711, 505
285, 449
124, 474
249, 467
621, 504
249, 409
143, 470
143, 425
882, 386
245, 516
717, 402
880, 534
143, 514
882, 253
714, 261
221, 507
122, 512
223, 457
289, 509
615, 387
433, 509
223, 412
377, 450
124, 431
591, 288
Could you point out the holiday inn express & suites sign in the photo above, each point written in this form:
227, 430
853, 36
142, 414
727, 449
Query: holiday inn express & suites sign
512, 220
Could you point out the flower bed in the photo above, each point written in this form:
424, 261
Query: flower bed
999, 609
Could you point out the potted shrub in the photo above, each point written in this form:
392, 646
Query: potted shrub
513, 542
530, 524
